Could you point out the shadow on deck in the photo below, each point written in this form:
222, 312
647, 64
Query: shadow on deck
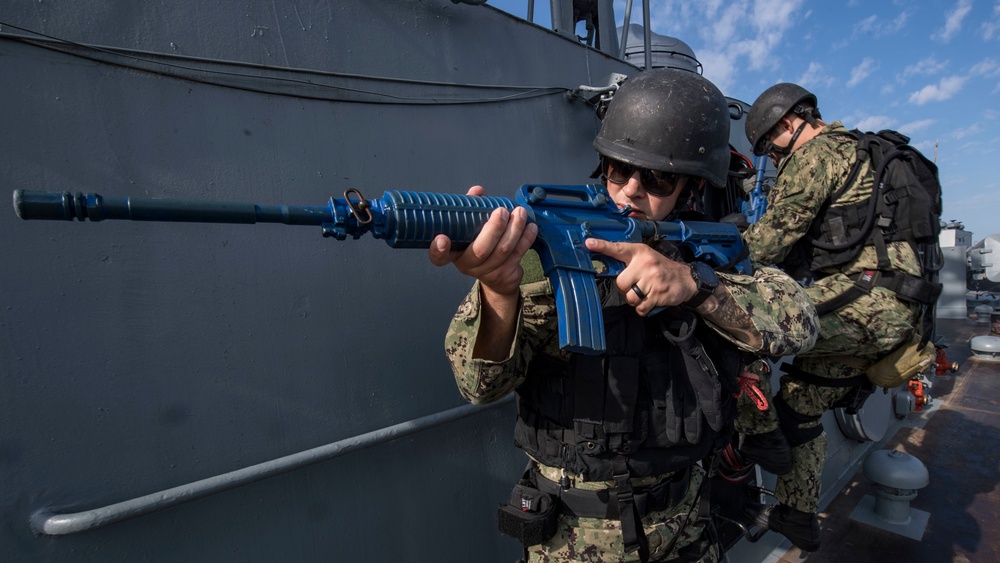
958, 440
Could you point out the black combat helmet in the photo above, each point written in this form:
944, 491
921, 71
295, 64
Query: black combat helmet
771, 106
670, 120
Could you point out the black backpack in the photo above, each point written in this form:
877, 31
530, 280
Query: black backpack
907, 192
905, 206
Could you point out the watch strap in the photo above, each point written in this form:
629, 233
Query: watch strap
706, 287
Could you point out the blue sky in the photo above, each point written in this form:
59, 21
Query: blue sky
930, 69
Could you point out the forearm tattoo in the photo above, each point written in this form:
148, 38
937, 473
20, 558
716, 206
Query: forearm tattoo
723, 312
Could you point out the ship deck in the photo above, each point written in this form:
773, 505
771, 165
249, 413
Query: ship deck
958, 439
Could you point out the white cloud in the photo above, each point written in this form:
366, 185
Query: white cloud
943, 90
733, 36
953, 21
814, 76
926, 67
985, 67
862, 71
970, 130
719, 68
771, 15
915, 126
898, 23
991, 26
876, 28
725, 26
866, 25
875, 123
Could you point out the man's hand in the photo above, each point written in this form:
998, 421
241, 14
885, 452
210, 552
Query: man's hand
668, 283
494, 257
662, 281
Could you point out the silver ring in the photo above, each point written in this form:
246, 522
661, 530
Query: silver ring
638, 292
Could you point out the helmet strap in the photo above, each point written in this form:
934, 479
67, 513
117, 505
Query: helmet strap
692, 196
807, 113
787, 149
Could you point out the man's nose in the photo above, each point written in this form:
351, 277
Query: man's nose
633, 185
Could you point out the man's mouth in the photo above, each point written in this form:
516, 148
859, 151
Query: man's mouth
635, 213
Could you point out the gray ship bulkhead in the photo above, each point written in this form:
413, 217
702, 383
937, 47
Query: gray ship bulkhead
137, 358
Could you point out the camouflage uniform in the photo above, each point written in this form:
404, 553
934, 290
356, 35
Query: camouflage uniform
851, 338
781, 313
600, 540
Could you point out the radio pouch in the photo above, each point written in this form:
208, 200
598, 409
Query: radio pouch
530, 516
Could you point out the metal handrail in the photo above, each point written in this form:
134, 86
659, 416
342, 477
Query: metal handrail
47, 522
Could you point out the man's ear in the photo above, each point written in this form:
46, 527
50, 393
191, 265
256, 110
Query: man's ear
786, 123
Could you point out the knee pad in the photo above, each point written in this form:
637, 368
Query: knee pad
790, 422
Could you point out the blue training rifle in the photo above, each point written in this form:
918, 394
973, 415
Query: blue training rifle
565, 215
756, 204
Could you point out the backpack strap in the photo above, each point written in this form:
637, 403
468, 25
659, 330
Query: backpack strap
863, 285
864, 152
880, 200
908, 287
862, 156
820, 381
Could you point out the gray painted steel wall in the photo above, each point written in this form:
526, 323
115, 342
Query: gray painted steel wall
138, 357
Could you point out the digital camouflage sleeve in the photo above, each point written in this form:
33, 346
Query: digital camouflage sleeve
805, 181
779, 309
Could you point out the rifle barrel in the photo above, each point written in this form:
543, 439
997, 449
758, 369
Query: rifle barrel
67, 206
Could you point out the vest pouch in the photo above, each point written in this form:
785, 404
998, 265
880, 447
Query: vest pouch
903, 363
529, 516
836, 239
678, 415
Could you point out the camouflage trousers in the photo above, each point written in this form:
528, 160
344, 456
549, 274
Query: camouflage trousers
851, 339
597, 540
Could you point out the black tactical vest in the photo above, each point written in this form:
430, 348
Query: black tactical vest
905, 205
654, 397
831, 229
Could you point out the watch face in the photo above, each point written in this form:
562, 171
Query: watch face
706, 279
705, 276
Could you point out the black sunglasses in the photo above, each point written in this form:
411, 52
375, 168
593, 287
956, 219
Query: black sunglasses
655, 182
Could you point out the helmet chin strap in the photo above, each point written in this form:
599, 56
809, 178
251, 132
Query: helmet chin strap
787, 150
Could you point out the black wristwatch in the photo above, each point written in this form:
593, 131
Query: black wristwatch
706, 279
